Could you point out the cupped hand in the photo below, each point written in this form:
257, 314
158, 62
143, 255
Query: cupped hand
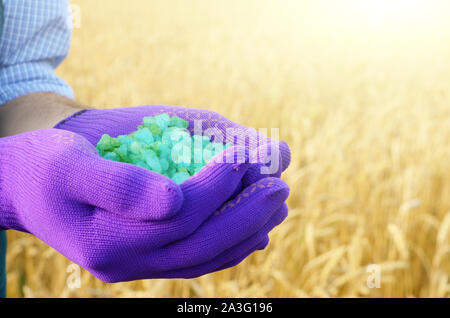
122, 222
272, 157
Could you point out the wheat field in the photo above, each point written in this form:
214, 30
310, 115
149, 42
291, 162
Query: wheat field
360, 92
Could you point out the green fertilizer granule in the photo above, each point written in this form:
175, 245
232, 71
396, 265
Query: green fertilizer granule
164, 145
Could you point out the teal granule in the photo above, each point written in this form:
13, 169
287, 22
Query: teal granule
164, 145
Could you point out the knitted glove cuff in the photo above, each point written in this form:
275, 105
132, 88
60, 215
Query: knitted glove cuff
86, 120
63, 122
8, 214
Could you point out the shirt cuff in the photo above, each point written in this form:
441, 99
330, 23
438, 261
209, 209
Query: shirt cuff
25, 78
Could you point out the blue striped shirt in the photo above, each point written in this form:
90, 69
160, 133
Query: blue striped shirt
2, 234
34, 39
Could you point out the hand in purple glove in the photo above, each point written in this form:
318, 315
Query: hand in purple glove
268, 154
122, 222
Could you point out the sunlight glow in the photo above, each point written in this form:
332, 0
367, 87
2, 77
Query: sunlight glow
378, 13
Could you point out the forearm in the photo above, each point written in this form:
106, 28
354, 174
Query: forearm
35, 111
26, 113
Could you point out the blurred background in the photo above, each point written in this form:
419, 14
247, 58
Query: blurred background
360, 90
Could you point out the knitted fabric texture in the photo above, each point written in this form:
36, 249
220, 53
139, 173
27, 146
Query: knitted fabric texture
93, 123
122, 222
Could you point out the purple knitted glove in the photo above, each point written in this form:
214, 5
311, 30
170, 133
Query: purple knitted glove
122, 222
270, 155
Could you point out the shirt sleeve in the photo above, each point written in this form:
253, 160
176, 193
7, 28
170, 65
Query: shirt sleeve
35, 39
